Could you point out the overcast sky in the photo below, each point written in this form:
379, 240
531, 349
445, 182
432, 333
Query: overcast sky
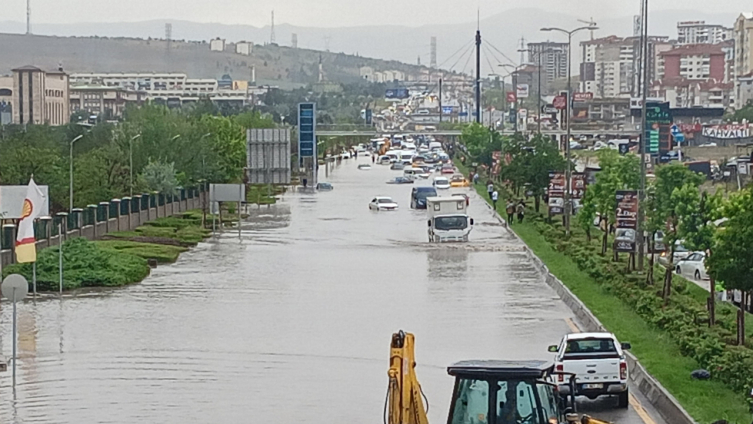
331, 13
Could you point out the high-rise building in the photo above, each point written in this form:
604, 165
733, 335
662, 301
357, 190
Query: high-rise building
610, 66
699, 32
743, 36
553, 58
40, 97
694, 62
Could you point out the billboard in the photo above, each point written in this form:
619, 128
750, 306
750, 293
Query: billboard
522, 91
728, 131
12, 201
658, 121
396, 93
578, 189
240, 85
306, 130
556, 193
627, 220
268, 156
583, 97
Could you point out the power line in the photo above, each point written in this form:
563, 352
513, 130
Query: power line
458, 51
467, 52
512, 62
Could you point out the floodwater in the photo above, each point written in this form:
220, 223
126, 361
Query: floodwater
289, 323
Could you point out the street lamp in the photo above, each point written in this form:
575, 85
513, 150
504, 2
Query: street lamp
130, 159
70, 173
203, 156
568, 172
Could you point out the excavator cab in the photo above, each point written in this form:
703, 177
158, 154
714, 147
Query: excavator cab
505, 392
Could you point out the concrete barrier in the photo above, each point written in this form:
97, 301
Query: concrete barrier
664, 403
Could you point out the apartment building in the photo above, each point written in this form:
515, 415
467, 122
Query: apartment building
40, 97
694, 62
743, 68
553, 58
699, 32
100, 100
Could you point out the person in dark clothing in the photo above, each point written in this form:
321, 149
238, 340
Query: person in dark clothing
521, 209
510, 209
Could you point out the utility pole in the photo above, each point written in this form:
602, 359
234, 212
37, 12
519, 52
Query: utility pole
643, 142
440, 102
538, 101
478, 76
515, 90
28, 17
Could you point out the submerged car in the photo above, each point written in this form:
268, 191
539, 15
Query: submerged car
381, 203
448, 169
364, 166
397, 166
324, 187
401, 180
441, 183
459, 181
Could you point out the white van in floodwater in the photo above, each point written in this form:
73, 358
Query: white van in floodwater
448, 219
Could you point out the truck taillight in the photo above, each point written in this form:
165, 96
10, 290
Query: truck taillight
560, 377
623, 371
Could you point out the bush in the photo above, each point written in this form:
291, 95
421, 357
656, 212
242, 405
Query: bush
84, 265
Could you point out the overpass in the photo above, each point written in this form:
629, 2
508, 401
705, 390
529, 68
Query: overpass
456, 133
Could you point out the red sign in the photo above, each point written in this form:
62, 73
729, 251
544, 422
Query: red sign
512, 97
582, 97
690, 128
560, 102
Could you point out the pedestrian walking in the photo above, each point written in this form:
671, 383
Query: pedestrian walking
490, 188
510, 209
475, 178
495, 197
521, 211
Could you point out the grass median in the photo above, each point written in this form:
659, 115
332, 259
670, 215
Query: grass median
706, 401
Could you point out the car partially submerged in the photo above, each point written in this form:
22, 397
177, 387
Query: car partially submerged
458, 180
400, 180
382, 203
324, 187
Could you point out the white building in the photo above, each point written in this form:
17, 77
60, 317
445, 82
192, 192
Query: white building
244, 47
40, 97
217, 45
743, 67
699, 32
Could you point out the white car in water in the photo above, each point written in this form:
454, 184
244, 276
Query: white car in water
381, 203
441, 183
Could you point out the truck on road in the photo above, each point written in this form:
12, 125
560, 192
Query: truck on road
448, 219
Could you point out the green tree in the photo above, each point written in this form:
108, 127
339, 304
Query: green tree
543, 157
675, 187
732, 261
160, 177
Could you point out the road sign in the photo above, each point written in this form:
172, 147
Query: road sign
512, 97
15, 287
674, 129
560, 102
522, 91
548, 109
306, 130
447, 110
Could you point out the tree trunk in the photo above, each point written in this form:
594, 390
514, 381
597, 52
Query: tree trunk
650, 273
588, 233
537, 202
712, 297
667, 290
604, 239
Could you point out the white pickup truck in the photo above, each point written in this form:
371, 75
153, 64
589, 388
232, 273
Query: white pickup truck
598, 362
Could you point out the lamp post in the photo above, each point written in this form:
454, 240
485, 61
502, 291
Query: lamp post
513, 74
70, 174
130, 159
568, 171
203, 156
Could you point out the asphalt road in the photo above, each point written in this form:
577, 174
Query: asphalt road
291, 323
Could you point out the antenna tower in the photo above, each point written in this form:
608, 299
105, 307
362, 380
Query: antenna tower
433, 61
272, 39
28, 17
169, 35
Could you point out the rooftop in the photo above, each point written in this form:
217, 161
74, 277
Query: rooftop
500, 368
694, 49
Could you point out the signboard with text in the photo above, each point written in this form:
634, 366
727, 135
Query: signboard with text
306, 130
658, 122
583, 97
627, 220
729, 131
578, 189
522, 91
556, 193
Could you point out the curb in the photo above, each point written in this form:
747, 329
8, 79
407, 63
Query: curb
664, 403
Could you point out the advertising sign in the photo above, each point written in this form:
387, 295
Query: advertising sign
550, 109
306, 130
396, 93
512, 97
658, 121
447, 110
726, 131
560, 102
583, 97
556, 193
268, 156
627, 220
522, 91
578, 189
12, 201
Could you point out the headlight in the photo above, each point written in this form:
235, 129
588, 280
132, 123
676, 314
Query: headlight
663, 254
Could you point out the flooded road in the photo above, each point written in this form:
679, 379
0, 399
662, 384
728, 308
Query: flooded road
292, 323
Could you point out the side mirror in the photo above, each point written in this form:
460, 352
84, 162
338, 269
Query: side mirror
472, 221
626, 346
553, 349
428, 223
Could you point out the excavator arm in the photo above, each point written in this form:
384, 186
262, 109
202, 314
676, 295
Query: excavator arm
405, 401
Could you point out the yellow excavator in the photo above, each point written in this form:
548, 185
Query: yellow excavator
522, 392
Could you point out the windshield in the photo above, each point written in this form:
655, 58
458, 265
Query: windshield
516, 402
451, 223
385, 201
423, 194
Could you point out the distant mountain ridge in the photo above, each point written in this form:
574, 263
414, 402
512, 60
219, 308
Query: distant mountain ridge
501, 34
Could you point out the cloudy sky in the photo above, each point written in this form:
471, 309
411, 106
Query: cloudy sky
331, 13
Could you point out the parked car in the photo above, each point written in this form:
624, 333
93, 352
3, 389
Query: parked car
693, 266
324, 187
381, 203
441, 183
598, 362
401, 180
680, 253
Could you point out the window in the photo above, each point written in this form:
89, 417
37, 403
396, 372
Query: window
600, 346
515, 403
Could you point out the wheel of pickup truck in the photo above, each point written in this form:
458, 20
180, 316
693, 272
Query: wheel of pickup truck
623, 399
